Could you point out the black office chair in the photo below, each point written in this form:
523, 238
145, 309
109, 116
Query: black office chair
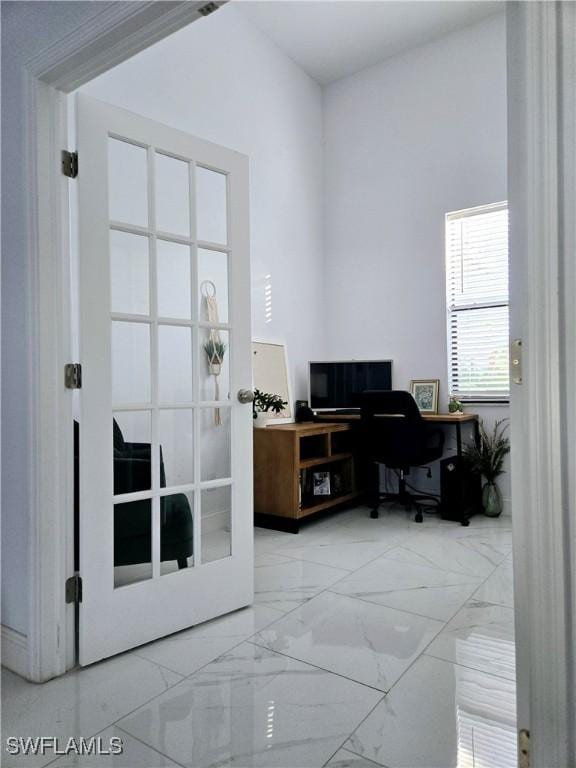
395, 434
132, 520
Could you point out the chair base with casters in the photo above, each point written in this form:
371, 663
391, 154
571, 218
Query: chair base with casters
404, 497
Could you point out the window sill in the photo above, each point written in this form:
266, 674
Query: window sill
500, 401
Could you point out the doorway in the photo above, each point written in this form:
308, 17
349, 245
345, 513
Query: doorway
535, 521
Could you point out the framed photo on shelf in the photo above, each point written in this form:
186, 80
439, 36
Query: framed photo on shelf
425, 392
321, 483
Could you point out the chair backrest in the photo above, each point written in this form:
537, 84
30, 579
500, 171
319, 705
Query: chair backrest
393, 430
119, 444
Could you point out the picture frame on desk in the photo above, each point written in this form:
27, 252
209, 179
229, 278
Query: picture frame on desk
425, 392
271, 373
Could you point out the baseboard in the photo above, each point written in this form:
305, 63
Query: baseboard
14, 651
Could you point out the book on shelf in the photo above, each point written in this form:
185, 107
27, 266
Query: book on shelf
337, 483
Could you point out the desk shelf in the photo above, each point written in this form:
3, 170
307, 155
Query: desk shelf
285, 458
341, 498
324, 460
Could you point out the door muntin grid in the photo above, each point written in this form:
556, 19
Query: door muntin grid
175, 324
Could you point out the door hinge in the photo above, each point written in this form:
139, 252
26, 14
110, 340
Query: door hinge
516, 361
73, 589
70, 164
73, 376
209, 8
524, 748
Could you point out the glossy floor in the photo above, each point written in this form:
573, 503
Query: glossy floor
370, 643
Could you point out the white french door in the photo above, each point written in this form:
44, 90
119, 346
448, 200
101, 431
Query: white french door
165, 443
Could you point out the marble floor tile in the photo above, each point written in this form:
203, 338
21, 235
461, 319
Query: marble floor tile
480, 636
333, 534
253, 709
355, 530
189, 650
441, 715
499, 540
348, 555
368, 643
390, 518
287, 585
269, 558
135, 754
414, 588
266, 540
499, 586
474, 556
345, 759
80, 703
345, 610
479, 525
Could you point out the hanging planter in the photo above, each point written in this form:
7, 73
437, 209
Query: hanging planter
213, 346
215, 369
215, 350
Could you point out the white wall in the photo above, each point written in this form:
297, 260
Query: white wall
406, 141
223, 80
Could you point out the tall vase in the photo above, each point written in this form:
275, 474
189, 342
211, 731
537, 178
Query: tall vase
492, 500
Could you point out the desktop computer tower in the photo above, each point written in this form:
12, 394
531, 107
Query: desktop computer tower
460, 490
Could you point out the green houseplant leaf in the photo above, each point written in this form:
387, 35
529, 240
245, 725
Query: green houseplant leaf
487, 458
264, 402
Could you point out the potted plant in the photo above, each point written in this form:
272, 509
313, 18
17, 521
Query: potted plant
487, 458
263, 403
455, 405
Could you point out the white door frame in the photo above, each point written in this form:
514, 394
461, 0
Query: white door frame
542, 200
118, 32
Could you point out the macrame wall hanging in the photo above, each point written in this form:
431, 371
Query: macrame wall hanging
213, 346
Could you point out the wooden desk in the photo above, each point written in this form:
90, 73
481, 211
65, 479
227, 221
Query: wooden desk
285, 456
445, 418
450, 419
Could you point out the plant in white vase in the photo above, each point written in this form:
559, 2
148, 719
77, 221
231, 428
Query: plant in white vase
263, 403
487, 459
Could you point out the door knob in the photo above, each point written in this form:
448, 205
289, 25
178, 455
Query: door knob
245, 396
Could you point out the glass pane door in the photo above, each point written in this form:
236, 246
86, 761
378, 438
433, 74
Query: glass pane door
170, 352
165, 458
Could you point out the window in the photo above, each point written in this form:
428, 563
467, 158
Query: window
477, 301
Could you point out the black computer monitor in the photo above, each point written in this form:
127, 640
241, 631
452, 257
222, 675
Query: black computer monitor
337, 385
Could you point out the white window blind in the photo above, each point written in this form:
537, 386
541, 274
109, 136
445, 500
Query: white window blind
477, 300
